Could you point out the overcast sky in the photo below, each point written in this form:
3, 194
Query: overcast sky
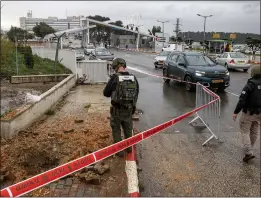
229, 16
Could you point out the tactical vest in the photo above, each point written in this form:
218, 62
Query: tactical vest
126, 94
254, 102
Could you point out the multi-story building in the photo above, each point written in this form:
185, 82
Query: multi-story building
28, 23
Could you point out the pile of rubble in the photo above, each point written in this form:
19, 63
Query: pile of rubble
46, 145
92, 174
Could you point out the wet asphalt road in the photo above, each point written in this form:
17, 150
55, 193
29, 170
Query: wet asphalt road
173, 162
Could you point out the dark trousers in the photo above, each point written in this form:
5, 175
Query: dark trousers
121, 118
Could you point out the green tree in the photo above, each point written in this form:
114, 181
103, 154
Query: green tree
19, 33
7, 56
155, 29
42, 29
28, 57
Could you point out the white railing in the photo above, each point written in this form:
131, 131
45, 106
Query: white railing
210, 115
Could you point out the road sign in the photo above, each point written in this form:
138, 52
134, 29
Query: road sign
216, 36
233, 36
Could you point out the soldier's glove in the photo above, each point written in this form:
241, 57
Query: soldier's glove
133, 110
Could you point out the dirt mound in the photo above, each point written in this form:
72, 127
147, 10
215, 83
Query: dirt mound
46, 145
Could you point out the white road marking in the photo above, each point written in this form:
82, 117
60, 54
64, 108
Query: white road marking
232, 93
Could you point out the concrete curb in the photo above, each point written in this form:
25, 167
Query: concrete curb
132, 173
134, 50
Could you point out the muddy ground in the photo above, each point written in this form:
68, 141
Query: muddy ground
13, 95
79, 126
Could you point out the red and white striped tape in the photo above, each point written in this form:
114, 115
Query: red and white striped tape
59, 172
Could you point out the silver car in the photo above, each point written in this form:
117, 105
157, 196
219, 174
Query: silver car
159, 60
234, 60
89, 49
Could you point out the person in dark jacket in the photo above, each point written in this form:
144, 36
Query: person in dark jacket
120, 115
250, 103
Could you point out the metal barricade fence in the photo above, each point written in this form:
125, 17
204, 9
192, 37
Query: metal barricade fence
210, 115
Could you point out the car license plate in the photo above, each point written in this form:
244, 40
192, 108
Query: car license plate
241, 61
217, 81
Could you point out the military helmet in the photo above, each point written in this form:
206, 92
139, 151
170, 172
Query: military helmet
118, 61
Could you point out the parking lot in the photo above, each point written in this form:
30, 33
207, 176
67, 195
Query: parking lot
174, 163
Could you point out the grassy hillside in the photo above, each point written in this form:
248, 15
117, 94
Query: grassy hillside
41, 65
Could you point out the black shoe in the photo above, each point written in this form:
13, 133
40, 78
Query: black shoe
129, 150
120, 154
248, 157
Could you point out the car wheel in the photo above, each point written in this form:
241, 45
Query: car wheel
221, 90
188, 85
156, 67
166, 75
245, 70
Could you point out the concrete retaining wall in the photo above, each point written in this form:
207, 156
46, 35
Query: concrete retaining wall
37, 78
33, 112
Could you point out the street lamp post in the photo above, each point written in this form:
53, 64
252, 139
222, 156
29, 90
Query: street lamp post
205, 18
138, 37
163, 22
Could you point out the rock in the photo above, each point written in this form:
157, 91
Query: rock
2, 178
78, 121
112, 179
104, 136
68, 131
86, 131
89, 168
35, 133
90, 178
101, 169
87, 106
58, 135
9, 176
51, 134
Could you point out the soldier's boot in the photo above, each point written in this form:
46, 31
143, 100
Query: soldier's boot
120, 154
248, 157
129, 150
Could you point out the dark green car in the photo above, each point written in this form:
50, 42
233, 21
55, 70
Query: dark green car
195, 67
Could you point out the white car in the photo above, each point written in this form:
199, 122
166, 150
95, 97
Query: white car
234, 60
170, 47
159, 60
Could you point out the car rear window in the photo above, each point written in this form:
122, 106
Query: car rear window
103, 53
164, 53
199, 60
237, 55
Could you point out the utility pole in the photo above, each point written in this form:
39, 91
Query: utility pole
16, 57
177, 30
138, 37
56, 54
24, 38
163, 22
205, 18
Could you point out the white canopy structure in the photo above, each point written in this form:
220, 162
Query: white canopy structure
48, 36
85, 23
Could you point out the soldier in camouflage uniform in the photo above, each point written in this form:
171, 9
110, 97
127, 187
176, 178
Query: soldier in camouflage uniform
123, 88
